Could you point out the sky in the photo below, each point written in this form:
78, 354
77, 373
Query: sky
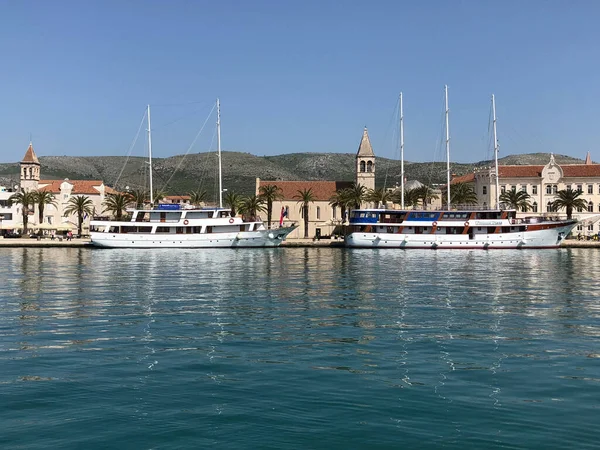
299, 76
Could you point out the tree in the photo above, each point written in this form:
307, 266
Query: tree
157, 196
305, 196
139, 197
424, 194
80, 205
198, 197
252, 205
43, 198
378, 196
270, 193
461, 194
26, 200
516, 199
117, 204
340, 199
568, 199
233, 201
411, 197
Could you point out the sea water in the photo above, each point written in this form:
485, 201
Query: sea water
299, 348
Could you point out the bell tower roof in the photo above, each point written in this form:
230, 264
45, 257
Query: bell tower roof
588, 159
30, 156
365, 149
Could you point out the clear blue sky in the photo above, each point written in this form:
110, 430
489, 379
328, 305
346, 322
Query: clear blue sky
299, 76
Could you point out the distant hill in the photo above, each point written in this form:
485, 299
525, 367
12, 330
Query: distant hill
198, 171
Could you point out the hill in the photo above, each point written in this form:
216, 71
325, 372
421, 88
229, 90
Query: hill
180, 175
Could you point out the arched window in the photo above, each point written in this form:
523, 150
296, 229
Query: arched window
549, 207
31, 172
334, 212
318, 212
25, 173
369, 166
590, 207
362, 166
287, 212
534, 207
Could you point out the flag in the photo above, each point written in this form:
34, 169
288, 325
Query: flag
283, 214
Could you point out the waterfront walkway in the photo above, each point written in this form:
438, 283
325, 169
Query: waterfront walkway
28, 242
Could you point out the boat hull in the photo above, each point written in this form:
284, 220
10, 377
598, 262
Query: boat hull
541, 238
260, 238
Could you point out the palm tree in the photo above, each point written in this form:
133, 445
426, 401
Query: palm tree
568, 199
80, 205
305, 196
411, 197
355, 195
378, 196
117, 204
424, 194
26, 200
198, 197
158, 195
252, 205
461, 194
340, 199
139, 197
270, 193
233, 201
516, 199
43, 198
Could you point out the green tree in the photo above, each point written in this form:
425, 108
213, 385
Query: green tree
43, 198
27, 201
355, 195
139, 197
80, 205
270, 193
198, 197
304, 197
411, 197
116, 204
425, 194
516, 199
461, 194
157, 196
340, 199
568, 199
233, 201
378, 196
251, 206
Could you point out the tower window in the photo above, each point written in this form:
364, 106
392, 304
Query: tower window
369, 166
362, 166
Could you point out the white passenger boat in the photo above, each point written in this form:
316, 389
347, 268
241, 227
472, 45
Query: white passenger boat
454, 229
170, 226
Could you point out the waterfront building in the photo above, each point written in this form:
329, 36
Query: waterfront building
542, 184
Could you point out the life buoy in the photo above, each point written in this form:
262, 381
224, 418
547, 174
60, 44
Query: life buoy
467, 223
434, 224
231, 220
185, 222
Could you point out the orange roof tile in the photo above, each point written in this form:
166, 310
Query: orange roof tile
30, 156
322, 190
468, 178
80, 187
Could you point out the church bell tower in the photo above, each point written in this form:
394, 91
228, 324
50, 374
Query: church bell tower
365, 163
30, 170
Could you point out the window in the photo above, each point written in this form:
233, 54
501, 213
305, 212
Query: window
590, 188
580, 188
534, 190
513, 188
554, 189
484, 190
524, 188
569, 187
334, 212
534, 207
591, 227
287, 212
590, 207
362, 166
369, 166
580, 209
548, 189
502, 189
65, 196
318, 212
549, 207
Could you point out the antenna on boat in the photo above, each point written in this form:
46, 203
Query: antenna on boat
219, 152
150, 158
401, 152
495, 151
447, 146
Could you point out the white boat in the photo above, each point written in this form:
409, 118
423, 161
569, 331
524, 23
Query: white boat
170, 226
454, 229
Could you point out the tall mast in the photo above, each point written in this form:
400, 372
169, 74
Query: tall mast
496, 152
150, 158
402, 151
219, 153
447, 147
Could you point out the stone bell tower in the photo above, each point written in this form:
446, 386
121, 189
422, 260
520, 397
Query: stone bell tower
365, 163
30, 170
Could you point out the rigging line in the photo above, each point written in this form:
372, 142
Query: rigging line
204, 166
190, 147
395, 113
437, 148
160, 127
130, 149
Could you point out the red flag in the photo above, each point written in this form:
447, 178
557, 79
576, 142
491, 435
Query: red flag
281, 216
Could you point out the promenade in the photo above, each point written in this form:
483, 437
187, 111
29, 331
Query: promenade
44, 243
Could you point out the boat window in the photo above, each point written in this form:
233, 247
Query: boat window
455, 215
423, 215
163, 229
198, 214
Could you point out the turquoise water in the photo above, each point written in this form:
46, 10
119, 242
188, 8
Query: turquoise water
299, 348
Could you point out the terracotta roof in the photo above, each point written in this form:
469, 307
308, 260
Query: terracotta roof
177, 197
30, 156
520, 171
322, 190
365, 149
89, 187
569, 171
468, 178
581, 170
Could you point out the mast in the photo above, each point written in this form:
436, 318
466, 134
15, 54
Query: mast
402, 151
150, 159
495, 152
219, 153
447, 146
